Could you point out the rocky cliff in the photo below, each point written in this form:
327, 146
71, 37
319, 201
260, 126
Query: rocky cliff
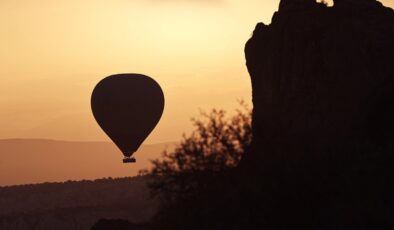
323, 97
323, 134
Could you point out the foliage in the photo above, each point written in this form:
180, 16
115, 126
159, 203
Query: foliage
323, 2
215, 146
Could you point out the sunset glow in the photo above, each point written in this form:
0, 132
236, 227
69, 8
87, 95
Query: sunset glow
53, 54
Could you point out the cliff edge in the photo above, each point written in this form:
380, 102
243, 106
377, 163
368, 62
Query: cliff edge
323, 119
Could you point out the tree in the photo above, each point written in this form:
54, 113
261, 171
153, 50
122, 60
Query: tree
213, 148
323, 2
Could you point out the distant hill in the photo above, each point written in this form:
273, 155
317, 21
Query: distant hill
75, 205
28, 161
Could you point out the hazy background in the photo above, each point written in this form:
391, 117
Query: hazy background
28, 161
52, 54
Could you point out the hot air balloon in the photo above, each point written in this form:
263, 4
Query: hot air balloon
127, 107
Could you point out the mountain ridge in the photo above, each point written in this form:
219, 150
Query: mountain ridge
32, 161
75, 141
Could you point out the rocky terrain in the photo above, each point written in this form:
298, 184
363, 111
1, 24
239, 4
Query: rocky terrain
322, 150
323, 96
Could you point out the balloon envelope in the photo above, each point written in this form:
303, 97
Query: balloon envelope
127, 107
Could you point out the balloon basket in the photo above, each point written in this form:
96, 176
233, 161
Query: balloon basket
129, 160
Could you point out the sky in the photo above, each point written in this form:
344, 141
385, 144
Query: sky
53, 53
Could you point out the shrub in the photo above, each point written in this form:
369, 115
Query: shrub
214, 147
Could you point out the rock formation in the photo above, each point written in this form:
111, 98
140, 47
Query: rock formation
322, 153
323, 97
285, 4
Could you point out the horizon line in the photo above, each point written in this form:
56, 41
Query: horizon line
75, 141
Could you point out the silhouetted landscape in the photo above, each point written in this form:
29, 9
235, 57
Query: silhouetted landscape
323, 131
75, 204
315, 152
322, 148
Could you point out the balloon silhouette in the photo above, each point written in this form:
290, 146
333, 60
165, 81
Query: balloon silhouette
127, 107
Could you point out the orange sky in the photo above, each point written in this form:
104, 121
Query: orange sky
52, 53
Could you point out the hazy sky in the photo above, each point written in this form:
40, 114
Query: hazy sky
52, 53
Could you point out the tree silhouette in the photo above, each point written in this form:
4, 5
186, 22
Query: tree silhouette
214, 147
